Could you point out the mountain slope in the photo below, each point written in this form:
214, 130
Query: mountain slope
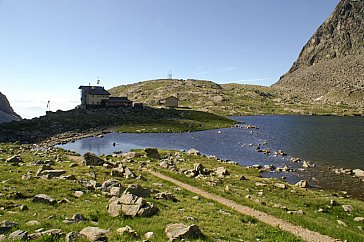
7, 113
227, 99
330, 66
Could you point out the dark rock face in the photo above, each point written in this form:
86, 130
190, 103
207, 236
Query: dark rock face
330, 66
7, 113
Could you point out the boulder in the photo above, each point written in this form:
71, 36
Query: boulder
14, 159
182, 231
76, 218
358, 173
347, 208
50, 173
149, 235
108, 184
152, 153
193, 151
6, 225
93, 160
137, 190
131, 155
131, 205
302, 184
359, 219
165, 196
280, 185
43, 198
341, 223
94, 233
73, 236
128, 232
221, 172
18, 235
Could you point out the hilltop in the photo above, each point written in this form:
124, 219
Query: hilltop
7, 113
224, 99
330, 67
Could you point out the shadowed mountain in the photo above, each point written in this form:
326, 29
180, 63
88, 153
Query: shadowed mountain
7, 113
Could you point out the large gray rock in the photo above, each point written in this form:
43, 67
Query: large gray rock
358, 173
93, 160
347, 208
131, 205
123, 171
182, 231
94, 233
165, 196
50, 173
128, 232
137, 190
6, 225
43, 198
152, 153
76, 218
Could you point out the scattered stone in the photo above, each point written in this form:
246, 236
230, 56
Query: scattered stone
341, 223
131, 155
73, 236
78, 194
76, 218
242, 178
137, 190
260, 184
359, 219
128, 232
165, 196
221, 172
196, 197
2, 237
23, 208
280, 185
333, 203
149, 235
182, 231
302, 184
33, 223
68, 177
18, 235
53, 232
94, 233
43, 198
49, 174
6, 225
71, 166
14, 159
193, 151
299, 212
347, 208
152, 153
93, 160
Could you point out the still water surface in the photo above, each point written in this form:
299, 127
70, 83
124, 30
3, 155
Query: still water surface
323, 140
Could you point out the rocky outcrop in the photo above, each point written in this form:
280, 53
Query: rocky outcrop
330, 66
7, 113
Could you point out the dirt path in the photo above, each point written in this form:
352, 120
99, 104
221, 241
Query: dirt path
299, 231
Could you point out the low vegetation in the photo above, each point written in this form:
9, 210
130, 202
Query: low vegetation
78, 121
19, 185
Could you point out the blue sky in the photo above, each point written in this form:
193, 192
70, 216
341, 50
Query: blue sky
50, 47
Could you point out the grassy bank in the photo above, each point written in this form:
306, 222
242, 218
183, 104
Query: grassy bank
73, 122
216, 222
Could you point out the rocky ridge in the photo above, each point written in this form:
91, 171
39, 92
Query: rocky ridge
329, 68
7, 113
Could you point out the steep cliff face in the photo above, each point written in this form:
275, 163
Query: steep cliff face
7, 113
330, 66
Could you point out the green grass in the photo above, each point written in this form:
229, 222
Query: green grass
292, 198
206, 214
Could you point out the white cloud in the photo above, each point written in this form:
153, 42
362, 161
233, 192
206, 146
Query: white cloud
227, 68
